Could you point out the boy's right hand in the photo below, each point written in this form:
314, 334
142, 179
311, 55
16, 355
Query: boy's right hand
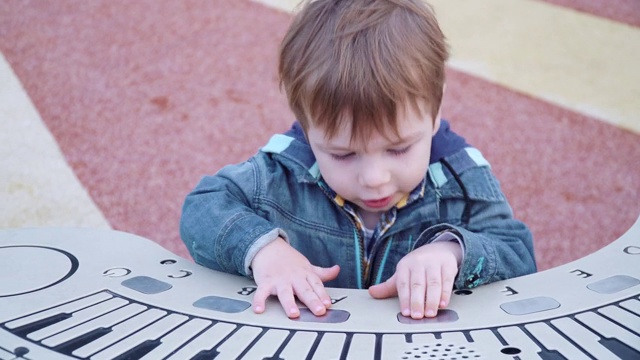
281, 270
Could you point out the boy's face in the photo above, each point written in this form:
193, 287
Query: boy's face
376, 175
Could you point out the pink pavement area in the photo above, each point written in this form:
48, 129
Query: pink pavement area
623, 11
146, 97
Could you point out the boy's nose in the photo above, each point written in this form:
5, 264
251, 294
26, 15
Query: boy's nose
373, 176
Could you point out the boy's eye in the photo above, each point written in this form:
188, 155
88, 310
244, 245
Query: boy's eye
399, 151
342, 156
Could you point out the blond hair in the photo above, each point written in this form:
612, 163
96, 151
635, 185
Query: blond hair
360, 61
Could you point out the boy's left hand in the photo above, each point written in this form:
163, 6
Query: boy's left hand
423, 279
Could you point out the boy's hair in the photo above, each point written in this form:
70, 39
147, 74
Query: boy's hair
358, 62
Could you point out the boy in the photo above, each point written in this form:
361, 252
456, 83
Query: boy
370, 189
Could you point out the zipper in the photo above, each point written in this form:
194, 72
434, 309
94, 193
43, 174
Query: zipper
376, 262
363, 263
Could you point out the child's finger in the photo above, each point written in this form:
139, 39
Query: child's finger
404, 291
434, 292
384, 290
318, 287
288, 302
326, 274
260, 299
418, 288
308, 296
317, 283
448, 278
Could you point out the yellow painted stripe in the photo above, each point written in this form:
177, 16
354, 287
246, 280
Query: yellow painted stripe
37, 186
575, 60
572, 59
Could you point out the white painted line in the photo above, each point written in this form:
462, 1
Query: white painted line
37, 186
284, 5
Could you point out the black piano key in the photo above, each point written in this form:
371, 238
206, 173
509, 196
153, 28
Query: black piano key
346, 345
23, 330
622, 350
73, 344
206, 355
315, 345
139, 351
551, 355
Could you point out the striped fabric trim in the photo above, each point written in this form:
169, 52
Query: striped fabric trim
477, 157
315, 170
436, 171
437, 174
277, 144
384, 260
358, 258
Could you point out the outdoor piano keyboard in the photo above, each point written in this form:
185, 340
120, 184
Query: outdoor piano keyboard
102, 294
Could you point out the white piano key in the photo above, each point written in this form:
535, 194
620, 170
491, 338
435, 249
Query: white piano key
78, 317
299, 345
553, 341
583, 337
632, 305
267, 345
623, 317
62, 309
516, 339
103, 321
177, 338
120, 332
330, 346
394, 346
151, 332
204, 342
234, 346
5, 355
362, 347
455, 337
489, 341
609, 329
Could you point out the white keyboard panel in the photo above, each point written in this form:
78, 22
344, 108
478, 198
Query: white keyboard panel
99, 294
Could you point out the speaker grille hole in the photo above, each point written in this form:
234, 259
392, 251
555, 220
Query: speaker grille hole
440, 351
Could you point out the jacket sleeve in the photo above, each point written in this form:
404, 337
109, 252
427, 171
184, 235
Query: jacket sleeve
496, 245
219, 224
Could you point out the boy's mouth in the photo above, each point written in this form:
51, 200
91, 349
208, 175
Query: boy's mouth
377, 203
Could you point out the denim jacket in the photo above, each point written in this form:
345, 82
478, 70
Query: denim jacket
279, 191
